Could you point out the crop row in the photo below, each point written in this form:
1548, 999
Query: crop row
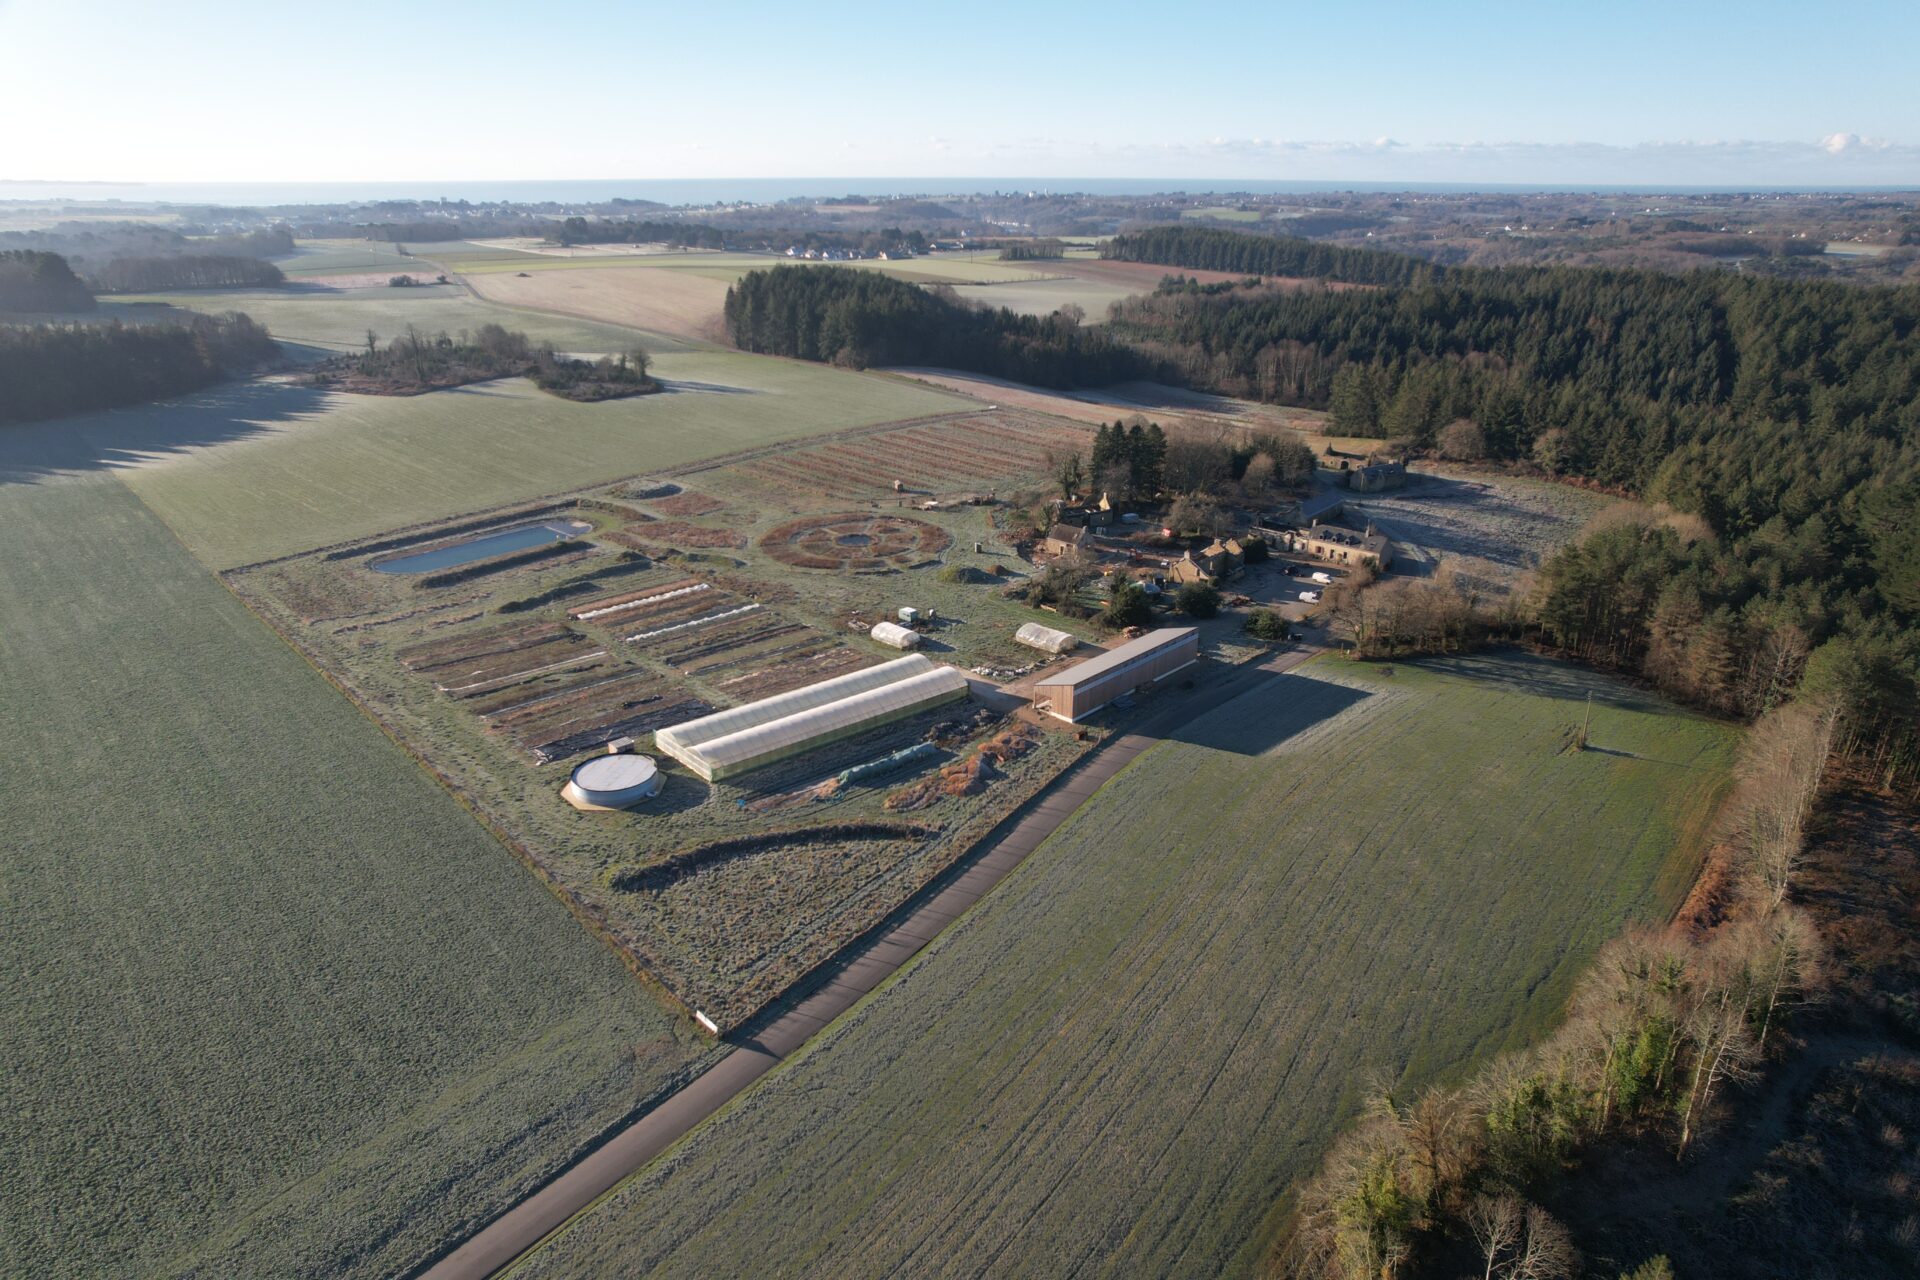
479, 644
752, 630
552, 728
528, 692
622, 601
791, 673
484, 675
662, 630
758, 650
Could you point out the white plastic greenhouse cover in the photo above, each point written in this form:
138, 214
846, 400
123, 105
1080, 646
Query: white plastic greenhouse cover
894, 634
1040, 637
758, 733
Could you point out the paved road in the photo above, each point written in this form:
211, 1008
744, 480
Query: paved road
864, 965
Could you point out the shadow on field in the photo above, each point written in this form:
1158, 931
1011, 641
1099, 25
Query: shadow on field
668, 386
1275, 710
1635, 755
1541, 677
127, 437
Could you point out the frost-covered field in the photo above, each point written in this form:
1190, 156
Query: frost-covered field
1491, 529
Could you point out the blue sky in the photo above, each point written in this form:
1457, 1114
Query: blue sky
205, 90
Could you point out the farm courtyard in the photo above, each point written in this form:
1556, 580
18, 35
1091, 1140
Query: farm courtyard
1118, 1062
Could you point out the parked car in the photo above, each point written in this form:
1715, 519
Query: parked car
1311, 597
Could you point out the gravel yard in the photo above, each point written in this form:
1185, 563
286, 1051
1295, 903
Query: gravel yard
1490, 529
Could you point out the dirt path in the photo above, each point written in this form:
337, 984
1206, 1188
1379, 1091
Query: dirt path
862, 966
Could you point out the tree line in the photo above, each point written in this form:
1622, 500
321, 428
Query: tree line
35, 281
53, 370
187, 271
1040, 249
695, 235
859, 319
91, 243
1666, 384
1248, 253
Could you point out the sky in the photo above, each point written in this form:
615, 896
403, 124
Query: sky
1760, 93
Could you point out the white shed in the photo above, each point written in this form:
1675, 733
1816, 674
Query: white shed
1046, 638
892, 633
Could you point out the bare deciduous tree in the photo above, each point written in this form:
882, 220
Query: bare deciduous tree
1785, 758
1717, 1026
1519, 1241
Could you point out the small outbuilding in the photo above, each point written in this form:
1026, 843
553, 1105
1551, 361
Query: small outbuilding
1377, 477
1064, 540
895, 636
1046, 639
617, 780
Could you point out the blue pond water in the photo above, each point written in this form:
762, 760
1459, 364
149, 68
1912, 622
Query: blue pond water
483, 547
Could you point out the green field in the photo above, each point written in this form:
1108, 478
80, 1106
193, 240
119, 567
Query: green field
338, 320
333, 257
1117, 1063
340, 257
1043, 297
271, 1002
249, 471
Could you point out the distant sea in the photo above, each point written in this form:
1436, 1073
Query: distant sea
707, 191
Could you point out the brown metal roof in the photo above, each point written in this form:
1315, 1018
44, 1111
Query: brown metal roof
1094, 668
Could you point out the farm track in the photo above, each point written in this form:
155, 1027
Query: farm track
836, 987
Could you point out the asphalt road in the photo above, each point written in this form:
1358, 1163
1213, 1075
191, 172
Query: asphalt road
864, 965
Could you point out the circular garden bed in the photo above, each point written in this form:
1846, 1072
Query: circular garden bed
854, 542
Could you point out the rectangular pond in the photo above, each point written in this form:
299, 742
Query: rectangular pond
484, 546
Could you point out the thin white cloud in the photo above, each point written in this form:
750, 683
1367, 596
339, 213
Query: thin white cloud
1838, 159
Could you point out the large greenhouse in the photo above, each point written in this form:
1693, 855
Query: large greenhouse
744, 738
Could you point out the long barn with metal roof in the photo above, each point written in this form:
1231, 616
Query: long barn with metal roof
1085, 687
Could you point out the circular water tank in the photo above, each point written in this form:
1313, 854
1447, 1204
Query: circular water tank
612, 782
